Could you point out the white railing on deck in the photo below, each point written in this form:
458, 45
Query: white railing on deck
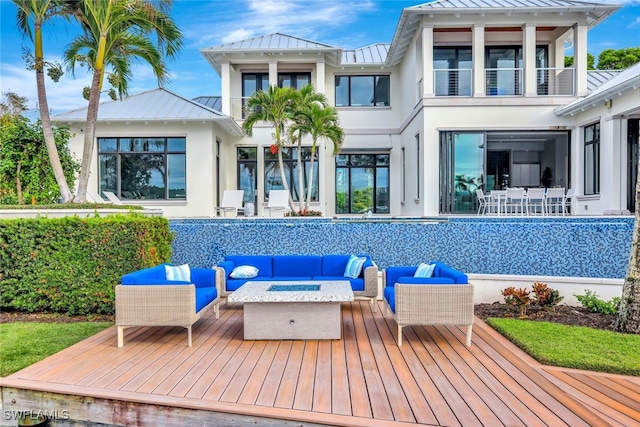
453, 82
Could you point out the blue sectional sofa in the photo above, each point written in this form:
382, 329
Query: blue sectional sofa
444, 298
146, 298
301, 267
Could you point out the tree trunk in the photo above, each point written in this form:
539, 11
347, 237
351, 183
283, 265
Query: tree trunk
89, 136
310, 181
628, 319
49, 138
300, 176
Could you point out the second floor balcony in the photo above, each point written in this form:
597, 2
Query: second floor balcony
503, 82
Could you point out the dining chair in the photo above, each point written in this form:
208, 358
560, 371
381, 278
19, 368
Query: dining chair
568, 199
231, 203
487, 203
535, 200
515, 200
554, 200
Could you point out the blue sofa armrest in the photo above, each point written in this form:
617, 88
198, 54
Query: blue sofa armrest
228, 267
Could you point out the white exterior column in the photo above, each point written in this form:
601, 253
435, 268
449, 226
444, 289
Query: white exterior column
320, 77
529, 56
427, 61
558, 53
273, 73
225, 89
477, 55
580, 58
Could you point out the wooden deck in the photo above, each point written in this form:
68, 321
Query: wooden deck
364, 379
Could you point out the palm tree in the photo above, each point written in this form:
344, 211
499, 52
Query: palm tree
275, 106
117, 32
39, 11
316, 118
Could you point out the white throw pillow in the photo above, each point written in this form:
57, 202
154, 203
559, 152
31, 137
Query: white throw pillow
425, 270
244, 272
354, 266
177, 272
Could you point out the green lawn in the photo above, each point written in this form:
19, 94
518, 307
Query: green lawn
573, 346
24, 343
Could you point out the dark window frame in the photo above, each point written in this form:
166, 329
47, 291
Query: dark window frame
592, 183
376, 95
121, 151
375, 165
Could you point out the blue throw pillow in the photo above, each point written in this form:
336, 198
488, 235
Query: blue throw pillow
177, 272
354, 266
244, 272
425, 270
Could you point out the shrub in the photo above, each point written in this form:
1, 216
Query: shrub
303, 213
591, 302
71, 265
518, 297
546, 297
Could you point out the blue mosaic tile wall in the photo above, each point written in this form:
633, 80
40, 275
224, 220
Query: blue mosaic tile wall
579, 247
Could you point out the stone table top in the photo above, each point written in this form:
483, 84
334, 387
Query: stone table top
330, 291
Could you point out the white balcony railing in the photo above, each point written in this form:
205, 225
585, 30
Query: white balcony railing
504, 81
239, 107
556, 81
453, 82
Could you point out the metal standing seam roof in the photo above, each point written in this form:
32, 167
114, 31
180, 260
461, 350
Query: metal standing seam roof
270, 43
213, 102
409, 22
373, 54
596, 78
153, 105
626, 80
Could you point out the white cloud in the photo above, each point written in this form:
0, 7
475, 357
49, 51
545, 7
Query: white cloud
236, 35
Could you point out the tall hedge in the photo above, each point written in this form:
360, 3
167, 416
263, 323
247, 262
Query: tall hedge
71, 265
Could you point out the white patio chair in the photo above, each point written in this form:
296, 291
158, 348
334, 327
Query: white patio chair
231, 203
112, 197
278, 201
554, 201
535, 200
515, 200
488, 204
96, 197
568, 200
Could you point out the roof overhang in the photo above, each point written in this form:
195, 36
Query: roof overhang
411, 18
599, 97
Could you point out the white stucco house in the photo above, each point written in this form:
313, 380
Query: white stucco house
467, 95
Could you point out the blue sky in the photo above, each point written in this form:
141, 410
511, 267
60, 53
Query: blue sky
206, 23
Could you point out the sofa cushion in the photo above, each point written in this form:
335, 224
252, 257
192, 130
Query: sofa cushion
334, 265
244, 272
297, 265
393, 273
234, 284
424, 270
290, 278
425, 280
354, 266
262, 262
146, 274
178, 272
204, 296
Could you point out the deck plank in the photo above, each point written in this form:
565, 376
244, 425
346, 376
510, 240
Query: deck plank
362, 380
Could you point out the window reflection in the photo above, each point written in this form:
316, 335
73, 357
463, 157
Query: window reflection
362, 183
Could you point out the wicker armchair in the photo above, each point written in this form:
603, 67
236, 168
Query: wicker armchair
432, 301
158, 303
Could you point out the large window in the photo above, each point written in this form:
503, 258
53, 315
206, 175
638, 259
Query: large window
504, 73
362, 183
251, 82
247, 172
143, 168
592, 159
453, 71
294, 80
273, 177
362, 91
